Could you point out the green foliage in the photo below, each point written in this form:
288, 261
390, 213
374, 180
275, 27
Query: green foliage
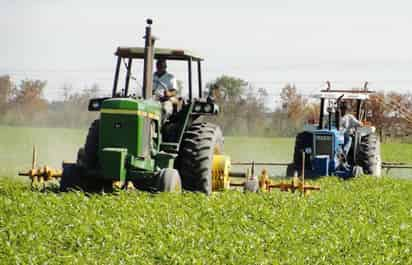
229, 88
362, 221
236, 114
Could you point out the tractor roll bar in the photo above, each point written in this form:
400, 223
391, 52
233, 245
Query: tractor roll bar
116, 75
128, 75
189, 68
322, 108
199, 77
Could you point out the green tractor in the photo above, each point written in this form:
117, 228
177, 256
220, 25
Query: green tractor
134, 144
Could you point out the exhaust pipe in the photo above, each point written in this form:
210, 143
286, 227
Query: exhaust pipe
148, 61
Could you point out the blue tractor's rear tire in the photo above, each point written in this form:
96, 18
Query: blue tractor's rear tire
368, 155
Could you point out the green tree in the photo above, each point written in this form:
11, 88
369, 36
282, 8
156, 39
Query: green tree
228, 88
229, 95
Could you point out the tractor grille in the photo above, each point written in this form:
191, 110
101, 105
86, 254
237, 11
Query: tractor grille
324, 144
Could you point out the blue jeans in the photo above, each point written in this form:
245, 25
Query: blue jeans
347, 142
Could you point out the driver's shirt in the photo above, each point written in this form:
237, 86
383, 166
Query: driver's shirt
165, 82
348, 123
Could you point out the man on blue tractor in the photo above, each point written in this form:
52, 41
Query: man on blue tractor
348, 125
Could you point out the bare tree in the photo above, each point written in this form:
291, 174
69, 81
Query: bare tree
292, 103
5, 93
67, 90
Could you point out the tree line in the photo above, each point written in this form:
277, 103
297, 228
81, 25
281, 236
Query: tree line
244, 109
23, 104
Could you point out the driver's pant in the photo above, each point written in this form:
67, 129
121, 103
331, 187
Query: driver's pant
347, 143
167, 109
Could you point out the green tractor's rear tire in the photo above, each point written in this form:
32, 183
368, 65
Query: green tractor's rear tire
291, 171
87, 159
91, 147
296, 166
200, 142
169, 180
369, 156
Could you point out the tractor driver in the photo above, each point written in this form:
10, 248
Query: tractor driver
164, 87
164, 83
348, 124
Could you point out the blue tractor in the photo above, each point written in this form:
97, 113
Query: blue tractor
319, 149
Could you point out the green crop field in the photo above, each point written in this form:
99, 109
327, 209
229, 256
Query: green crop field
363, 221
359, 221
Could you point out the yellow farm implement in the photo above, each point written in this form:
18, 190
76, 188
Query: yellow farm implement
222, 178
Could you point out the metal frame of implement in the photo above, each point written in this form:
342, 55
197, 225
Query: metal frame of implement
266, 184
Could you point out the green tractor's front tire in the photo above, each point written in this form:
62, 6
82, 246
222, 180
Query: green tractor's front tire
200, 143
70, 178
73, 178
87, 155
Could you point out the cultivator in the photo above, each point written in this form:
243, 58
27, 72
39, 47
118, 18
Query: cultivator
222, 178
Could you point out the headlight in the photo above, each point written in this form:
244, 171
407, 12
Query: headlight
96, 105
198, 108
207, 108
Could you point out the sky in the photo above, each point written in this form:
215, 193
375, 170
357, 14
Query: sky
267, 43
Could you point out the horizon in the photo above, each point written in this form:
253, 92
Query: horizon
268, 45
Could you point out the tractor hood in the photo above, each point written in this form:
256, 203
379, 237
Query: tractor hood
131, 106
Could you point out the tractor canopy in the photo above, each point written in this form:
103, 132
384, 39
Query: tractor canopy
159, 53
128, 55
330, 101
344, 94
